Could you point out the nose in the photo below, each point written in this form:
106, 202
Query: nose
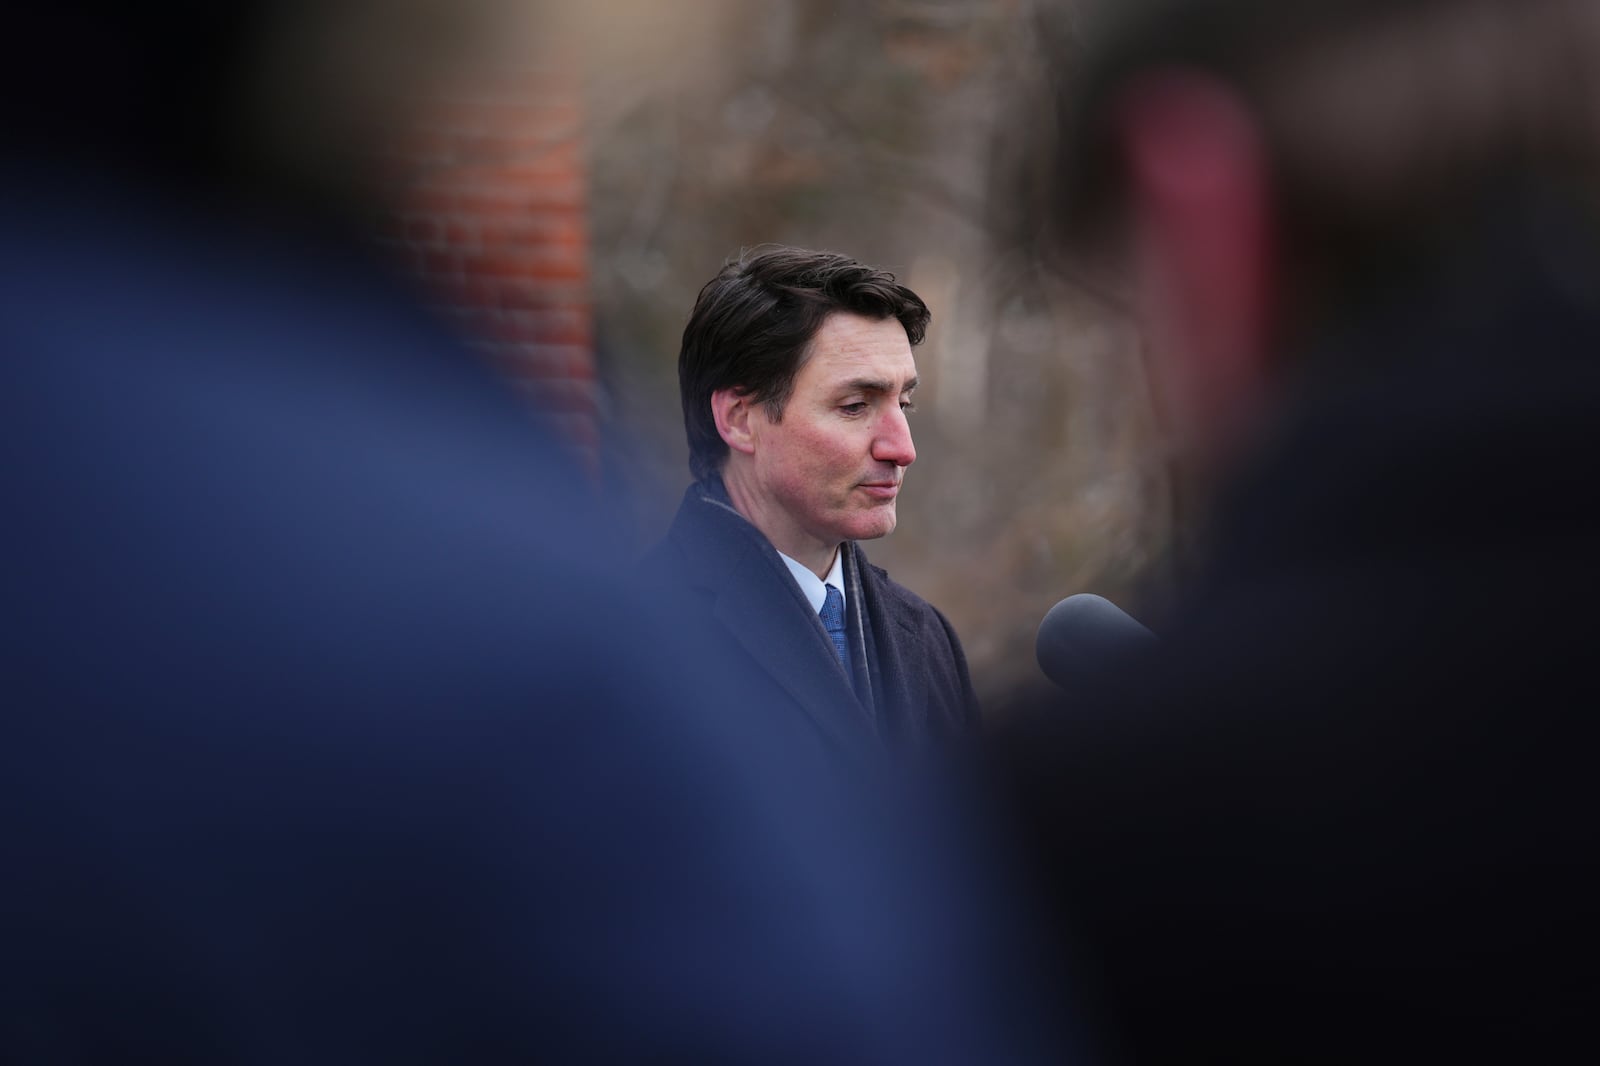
892, 443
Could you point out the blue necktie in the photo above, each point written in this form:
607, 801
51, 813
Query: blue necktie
833, 621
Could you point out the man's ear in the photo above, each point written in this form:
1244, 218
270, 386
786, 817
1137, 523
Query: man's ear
1200, 204
732, 411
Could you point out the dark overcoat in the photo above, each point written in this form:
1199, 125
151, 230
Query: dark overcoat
910, 688
1344, 812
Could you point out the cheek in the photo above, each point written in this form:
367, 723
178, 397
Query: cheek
818, 466
823, 460
795, 475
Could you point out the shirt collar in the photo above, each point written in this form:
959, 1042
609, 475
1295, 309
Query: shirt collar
814, 588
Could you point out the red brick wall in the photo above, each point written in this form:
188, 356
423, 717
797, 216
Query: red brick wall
493, 219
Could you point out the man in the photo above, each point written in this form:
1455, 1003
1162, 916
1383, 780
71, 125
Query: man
1344, 811
797, 377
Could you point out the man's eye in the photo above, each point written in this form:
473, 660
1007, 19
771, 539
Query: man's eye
853, 408
907, 405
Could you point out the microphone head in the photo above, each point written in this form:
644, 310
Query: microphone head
1082, 634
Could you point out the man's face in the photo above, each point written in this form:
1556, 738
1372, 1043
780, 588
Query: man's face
831, 469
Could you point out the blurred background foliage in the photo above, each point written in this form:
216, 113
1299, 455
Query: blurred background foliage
900, 132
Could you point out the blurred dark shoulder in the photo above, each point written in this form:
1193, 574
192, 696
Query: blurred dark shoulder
1365, 733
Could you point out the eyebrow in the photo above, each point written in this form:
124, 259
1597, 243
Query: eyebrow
877, 385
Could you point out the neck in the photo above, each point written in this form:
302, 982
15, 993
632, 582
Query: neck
810, 552
823, 569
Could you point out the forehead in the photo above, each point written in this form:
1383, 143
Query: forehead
849, 346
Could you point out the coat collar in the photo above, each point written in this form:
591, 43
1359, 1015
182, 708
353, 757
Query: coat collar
730, 559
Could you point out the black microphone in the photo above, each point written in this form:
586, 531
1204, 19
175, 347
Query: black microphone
1082, 634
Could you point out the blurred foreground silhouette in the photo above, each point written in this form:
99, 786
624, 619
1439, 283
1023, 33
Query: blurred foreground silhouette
1344, 811
331, 735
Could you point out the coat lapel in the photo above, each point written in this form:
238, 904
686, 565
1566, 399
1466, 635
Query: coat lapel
760, 609
902, 689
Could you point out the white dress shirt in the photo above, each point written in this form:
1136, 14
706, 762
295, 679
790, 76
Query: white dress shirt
815, 588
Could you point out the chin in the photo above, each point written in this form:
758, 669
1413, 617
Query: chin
872, 528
